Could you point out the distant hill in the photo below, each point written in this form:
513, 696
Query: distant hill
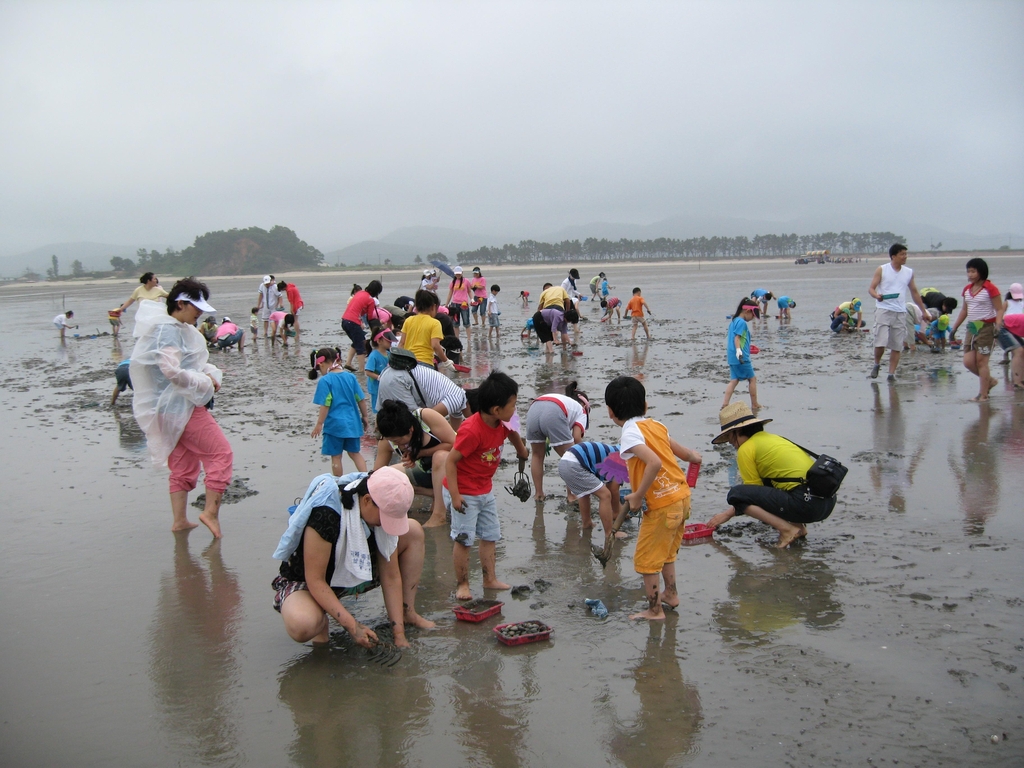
374, 252
440, 239
236, 252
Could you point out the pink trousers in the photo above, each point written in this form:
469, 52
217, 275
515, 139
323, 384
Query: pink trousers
202, 443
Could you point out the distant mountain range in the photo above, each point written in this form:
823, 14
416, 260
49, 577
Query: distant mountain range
403, 245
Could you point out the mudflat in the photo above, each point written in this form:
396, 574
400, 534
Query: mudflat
894, 632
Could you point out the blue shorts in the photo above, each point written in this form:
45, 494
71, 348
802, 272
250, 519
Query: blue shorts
493, 321
335, 446
741, 371
478, 521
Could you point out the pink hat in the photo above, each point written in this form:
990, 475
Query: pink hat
442, 310
1016, 291
384, 316
392, 492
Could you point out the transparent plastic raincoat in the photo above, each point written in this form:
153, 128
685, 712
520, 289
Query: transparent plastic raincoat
170, 374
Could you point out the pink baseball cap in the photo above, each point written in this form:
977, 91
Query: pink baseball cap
1016, 291
442, 310
392, 492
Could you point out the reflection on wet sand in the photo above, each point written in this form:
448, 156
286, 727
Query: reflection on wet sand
129, 434
352, 714
977, 475
892, 473
193, 640
670, 714
791, 588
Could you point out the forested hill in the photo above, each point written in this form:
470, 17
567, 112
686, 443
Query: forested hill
232, 252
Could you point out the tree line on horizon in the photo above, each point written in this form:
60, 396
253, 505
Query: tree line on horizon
594, 249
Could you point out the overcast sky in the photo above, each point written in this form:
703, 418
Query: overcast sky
155, 122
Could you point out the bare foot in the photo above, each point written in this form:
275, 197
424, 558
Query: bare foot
402, 642
436, 522
498, 585
789, 536
587, 525
188, 525
413, 619
212, 523
979, 399
993, 382
650, 615
671, 602
463, 593
620, 534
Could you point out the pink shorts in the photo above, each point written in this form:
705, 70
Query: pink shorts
202, 443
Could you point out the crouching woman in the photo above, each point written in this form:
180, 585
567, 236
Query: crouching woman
774, 472
350, 535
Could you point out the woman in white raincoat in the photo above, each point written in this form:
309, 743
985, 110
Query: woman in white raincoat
171, 376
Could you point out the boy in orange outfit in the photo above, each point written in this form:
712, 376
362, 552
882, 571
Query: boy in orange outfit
635, 308
655, 477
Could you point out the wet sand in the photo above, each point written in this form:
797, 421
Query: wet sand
893, 633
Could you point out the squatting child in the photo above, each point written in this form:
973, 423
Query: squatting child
655, 476
635, 308
470, 467
737, 349
342, 403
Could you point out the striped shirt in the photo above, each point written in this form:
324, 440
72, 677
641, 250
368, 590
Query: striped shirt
592, 454
434, 386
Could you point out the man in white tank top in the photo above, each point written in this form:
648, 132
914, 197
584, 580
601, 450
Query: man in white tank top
889, 289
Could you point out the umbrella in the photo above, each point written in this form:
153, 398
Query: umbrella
443, 267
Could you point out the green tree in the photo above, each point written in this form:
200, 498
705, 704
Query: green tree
53, 271
418, 259
77, 270
122, 265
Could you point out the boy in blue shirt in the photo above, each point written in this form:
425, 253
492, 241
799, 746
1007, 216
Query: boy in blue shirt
737, 350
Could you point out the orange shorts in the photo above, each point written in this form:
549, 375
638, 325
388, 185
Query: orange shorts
661, 533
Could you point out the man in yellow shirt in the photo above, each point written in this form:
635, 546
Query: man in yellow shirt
553, 296
421, 333
763, 460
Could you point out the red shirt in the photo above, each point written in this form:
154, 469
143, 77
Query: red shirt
359, 305
480, 447
294, 297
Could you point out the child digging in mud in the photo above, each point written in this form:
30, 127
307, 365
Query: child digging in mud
654, 476
469, 469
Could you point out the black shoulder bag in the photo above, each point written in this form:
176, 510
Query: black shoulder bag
824, 476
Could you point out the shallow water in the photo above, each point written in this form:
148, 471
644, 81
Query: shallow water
894, 632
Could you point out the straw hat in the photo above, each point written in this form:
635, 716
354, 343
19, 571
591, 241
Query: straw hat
734, 416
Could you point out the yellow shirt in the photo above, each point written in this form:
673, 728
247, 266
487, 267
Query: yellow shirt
766, 455
417, 332
555, 296
153, 294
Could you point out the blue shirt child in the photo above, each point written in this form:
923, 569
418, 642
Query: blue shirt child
738, 327
376, 362
341, 393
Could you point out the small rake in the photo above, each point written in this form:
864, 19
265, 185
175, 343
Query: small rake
604, 554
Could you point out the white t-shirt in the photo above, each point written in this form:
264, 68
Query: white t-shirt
61, 321
574, 411
631, 436
1014, 307
492, 304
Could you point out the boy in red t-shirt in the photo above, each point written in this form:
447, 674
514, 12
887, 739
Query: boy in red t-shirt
635, 308
469, 469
